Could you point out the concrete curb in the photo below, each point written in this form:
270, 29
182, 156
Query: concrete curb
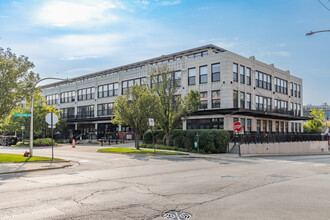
38, 169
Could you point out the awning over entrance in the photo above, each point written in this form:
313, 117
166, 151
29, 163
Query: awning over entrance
254, 113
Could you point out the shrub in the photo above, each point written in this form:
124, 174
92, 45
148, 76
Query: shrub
43, 142
210, 141
158, 136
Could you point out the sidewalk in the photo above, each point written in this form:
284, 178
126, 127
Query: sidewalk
7, 168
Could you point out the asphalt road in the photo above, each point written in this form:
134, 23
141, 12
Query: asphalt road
115, 186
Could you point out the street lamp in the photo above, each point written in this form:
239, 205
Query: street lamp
31, 122
314, 32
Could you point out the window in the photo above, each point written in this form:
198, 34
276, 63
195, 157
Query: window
196, 55
263, 80
263, 103
52, 99
242, 74
281, 86
248, 125
104, 109
235, 72
86, 94
177, 78
277, 124
248, 101
292, 127
243, 124
282, 126
216, 72
127, 85
85, 111
298, 91
242, 100
235, 99
258, 126
67, 113
264, 126
295, 89
287, 127
203, 100
248, 76
68, 97
270, 126
202, 74
192, 76
298, 109
235, 120
216, 99
291, 89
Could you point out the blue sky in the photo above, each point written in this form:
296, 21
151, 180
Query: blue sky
65, 38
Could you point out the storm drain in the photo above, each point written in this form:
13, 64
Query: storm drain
174, 215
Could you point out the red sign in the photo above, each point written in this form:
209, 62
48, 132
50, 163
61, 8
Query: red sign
237, 126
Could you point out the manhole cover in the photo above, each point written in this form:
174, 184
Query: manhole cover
174, 215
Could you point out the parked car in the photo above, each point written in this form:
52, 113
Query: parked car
10, 140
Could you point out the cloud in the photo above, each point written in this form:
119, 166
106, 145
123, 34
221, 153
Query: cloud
79, 58
145, 4
85, 13
169, 3
79, 47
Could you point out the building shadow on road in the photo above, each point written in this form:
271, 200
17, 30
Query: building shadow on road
190, 159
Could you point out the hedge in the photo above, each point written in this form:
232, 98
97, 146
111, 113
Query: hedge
210, 140
158, 136
43, 142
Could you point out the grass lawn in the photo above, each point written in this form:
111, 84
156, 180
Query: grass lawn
135, 151
18, 158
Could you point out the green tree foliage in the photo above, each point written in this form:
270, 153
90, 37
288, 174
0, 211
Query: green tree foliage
134, 109
317, 123
16, 80
172, 109
12, 123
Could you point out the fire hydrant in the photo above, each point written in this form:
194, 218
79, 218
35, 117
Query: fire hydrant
26, 154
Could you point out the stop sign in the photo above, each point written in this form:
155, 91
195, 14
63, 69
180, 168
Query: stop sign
237, 126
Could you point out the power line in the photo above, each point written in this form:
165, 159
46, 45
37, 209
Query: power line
324, 5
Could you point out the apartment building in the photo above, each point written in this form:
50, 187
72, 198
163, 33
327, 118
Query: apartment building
232, 87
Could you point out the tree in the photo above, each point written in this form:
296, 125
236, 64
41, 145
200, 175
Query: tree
171, 108
41, 109
15, 80
134, 109
317, 122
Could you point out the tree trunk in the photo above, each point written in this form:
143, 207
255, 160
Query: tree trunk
137, 139
167, 139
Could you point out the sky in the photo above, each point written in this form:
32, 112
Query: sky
67, 38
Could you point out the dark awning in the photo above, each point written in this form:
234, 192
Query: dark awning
250, 112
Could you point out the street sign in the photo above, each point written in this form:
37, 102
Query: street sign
22, 115
151, 122
237, 126
49, 118
23, 127
51, 126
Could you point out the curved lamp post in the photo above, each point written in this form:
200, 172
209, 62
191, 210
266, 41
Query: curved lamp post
314, 32
31, 122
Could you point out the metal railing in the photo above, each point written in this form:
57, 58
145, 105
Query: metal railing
276, 138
